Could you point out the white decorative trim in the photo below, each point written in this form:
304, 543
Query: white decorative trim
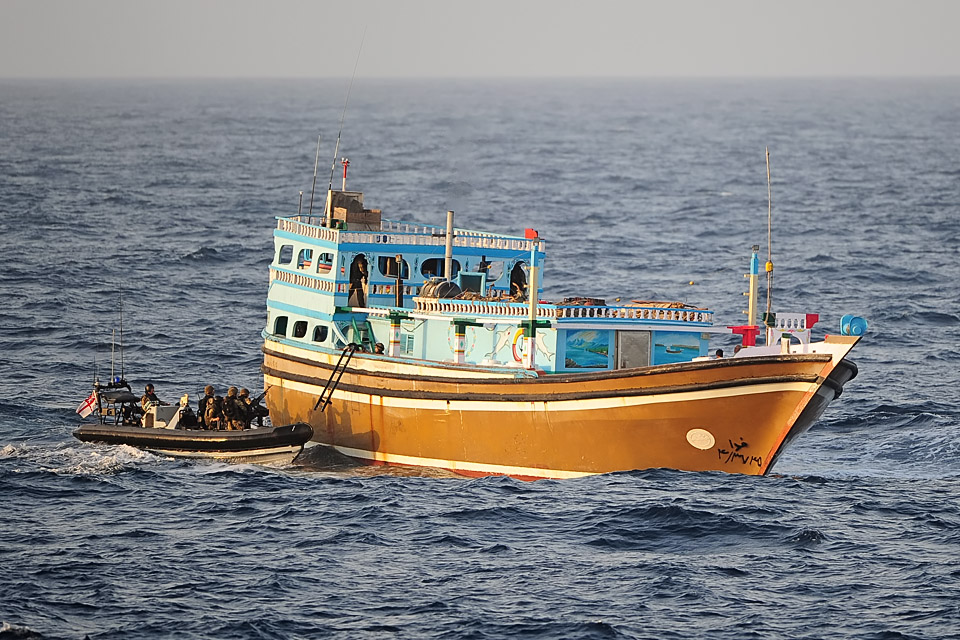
590, 404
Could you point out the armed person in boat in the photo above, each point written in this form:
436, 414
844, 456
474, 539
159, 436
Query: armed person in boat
233, 411
207, 398
253, 408
212, 412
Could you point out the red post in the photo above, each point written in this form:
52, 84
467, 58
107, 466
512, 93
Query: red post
748, 333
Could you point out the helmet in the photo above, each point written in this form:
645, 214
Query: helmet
208, 389
148, 388
232, 391
244, 392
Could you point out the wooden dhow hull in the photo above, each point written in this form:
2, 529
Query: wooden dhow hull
734, 415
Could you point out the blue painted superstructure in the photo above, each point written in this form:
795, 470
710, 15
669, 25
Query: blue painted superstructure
333, 281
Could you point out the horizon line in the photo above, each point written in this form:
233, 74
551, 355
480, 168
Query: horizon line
865, 76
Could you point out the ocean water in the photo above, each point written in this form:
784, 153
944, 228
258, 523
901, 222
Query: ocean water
165, 192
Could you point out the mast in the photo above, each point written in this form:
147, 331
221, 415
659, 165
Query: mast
768, 318
121, 336
448, 249
532, 294
113, 350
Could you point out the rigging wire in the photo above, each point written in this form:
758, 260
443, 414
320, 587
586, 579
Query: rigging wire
316, 163
336, 149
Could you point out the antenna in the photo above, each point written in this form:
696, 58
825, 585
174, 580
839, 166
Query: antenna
121, 335
336, 149
316, 163
769, 265
113, 348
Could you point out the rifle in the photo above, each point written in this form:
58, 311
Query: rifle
260, 397
257, 411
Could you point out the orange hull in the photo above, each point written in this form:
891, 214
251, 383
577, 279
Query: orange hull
733, 415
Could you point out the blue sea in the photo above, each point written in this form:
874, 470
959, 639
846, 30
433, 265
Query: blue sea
165, 192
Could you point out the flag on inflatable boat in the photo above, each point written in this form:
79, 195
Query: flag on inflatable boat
86, 407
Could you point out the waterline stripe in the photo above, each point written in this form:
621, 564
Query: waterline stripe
459, 465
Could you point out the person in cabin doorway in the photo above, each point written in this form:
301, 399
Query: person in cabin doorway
202, 407
358, 282
518, 282
149, 398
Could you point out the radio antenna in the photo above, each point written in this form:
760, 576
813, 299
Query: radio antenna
336, 149
316, 163
769, 265
121, 335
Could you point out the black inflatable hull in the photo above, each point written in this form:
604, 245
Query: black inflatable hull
281, 443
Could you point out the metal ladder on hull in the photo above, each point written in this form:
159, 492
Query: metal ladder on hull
363, 334
335, 376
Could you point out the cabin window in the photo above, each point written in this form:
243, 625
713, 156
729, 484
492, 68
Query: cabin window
388, 267
320, 333
280, 326
406, 343
304, 258
472, 281
433, 267
324, 262
299, 328
285, 255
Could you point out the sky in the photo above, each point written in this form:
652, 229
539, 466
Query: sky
481, 38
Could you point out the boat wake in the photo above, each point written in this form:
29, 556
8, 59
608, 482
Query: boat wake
8, 630
79, 461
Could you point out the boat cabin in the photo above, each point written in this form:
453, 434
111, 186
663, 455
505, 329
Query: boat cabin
455, 295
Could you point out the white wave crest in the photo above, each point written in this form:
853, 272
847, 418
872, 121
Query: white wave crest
82, 460
8, 630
